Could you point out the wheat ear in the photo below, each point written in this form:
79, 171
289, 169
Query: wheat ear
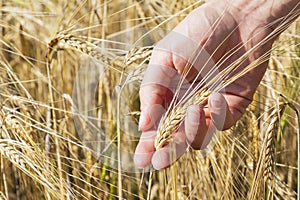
137, 53
67, 41
269, 150
172, 122
64, 40
265, 165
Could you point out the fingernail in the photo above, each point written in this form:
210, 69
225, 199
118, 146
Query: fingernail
193, 114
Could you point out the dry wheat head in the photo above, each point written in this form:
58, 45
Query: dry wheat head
172, 120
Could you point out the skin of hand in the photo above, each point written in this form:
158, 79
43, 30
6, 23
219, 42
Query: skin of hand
219, 27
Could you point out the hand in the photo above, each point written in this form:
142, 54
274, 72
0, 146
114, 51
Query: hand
219, 29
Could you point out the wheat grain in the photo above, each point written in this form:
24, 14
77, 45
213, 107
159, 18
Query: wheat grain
171, 121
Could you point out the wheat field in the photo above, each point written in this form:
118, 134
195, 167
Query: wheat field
70, 73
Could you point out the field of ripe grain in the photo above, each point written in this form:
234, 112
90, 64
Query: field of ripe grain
70, 73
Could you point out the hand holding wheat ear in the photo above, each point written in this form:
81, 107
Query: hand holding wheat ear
236, 35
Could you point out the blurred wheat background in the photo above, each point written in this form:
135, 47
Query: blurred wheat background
51, 104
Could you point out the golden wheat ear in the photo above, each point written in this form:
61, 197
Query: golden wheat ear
69, 41
174, 119
265, 170
269, 143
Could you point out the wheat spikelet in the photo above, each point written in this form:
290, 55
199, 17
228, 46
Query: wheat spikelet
13, 127
173, 120
141, 56
2, 196
283, 189
11, 153
269, 150
138, 53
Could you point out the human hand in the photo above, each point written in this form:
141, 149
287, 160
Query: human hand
218, 29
